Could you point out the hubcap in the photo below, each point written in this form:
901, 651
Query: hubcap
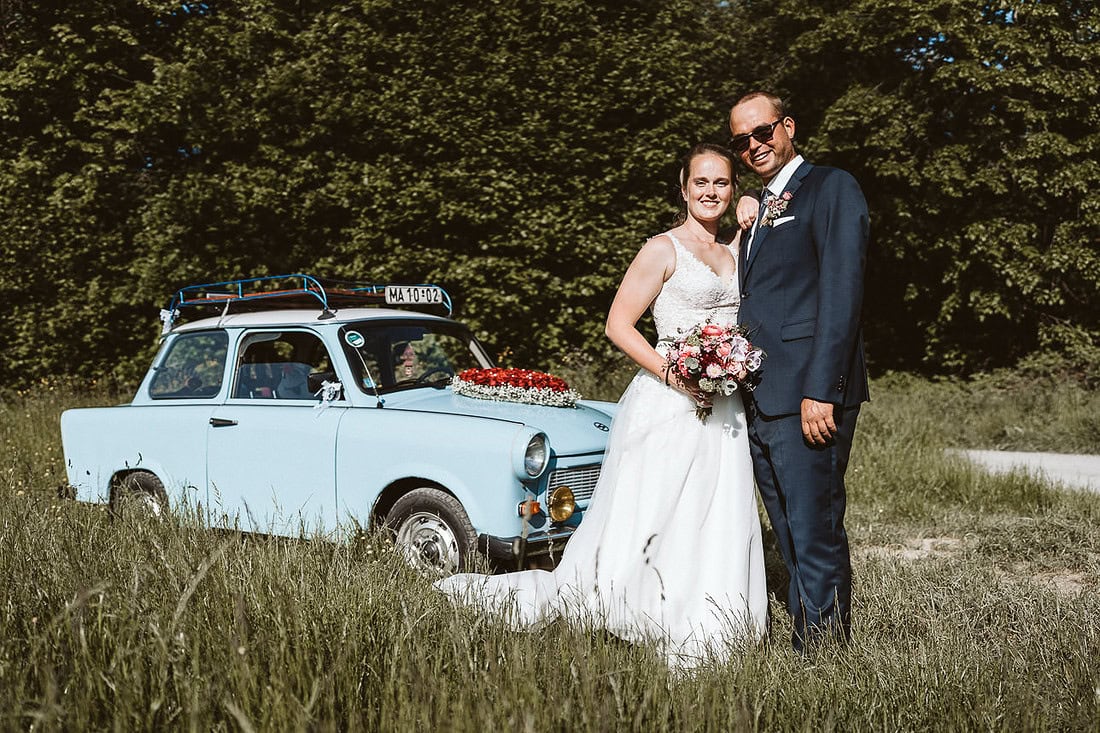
147, 504
428, 544
141, 505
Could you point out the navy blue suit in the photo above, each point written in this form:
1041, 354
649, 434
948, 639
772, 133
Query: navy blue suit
801, 295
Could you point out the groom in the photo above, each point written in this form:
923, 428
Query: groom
801, 292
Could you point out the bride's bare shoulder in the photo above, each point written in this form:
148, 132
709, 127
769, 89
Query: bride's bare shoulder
657, 255
658, 251
660, 246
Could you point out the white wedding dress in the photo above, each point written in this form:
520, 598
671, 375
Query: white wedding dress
669, 550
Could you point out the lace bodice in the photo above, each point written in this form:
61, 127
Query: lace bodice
693, 294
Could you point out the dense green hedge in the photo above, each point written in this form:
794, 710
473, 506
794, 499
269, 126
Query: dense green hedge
520, 152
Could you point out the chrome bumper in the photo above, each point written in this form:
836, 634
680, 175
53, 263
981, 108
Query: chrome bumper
512, 550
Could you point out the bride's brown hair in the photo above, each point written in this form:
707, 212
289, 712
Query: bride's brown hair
685, 169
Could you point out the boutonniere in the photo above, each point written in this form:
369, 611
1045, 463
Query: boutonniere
774, 206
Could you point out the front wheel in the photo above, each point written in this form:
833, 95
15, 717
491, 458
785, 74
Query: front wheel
433, 532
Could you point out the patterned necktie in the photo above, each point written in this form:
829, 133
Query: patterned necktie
765, 196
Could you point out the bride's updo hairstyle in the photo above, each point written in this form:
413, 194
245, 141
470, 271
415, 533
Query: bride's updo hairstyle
685, 171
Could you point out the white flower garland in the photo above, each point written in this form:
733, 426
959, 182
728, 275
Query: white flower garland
508, 393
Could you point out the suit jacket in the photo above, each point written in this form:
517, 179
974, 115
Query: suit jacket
802, 291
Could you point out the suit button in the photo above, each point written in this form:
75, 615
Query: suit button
744, 296
840, 385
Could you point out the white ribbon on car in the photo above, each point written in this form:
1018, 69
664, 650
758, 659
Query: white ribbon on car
166, 318
329, 391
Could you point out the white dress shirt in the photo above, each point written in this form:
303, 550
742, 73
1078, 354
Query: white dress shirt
775, 186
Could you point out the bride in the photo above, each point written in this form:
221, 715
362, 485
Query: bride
669, 550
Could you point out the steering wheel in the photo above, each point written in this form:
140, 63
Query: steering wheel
423, 378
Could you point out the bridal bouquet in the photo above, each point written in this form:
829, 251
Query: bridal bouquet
718, 358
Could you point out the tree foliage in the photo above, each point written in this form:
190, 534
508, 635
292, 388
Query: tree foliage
519, 152
973, 128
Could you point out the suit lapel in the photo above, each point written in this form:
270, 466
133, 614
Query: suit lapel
762, 232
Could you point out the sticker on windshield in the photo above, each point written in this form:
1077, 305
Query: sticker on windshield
354, 339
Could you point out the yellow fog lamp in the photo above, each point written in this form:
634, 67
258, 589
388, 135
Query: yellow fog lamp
561, 504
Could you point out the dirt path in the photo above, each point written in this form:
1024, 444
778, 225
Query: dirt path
1073, 470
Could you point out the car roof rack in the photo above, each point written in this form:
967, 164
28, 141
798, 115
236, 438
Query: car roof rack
301, 291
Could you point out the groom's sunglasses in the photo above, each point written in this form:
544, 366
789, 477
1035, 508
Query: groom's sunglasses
740, 143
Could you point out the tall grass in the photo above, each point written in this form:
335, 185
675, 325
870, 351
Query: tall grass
1006, 410
975, 608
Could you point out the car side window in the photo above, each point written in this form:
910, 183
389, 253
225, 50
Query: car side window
289, 365
193, 367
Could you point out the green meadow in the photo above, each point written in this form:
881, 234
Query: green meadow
975, 608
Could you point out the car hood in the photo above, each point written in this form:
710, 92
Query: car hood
571, 430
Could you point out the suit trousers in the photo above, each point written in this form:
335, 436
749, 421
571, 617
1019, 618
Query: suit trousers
802, 487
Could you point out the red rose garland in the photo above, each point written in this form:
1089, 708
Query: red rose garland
515, 385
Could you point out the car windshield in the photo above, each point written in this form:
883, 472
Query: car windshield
393, 355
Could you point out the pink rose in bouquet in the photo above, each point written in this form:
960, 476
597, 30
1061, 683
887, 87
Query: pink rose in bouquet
711, 329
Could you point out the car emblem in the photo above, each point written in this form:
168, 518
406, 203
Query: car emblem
601, 426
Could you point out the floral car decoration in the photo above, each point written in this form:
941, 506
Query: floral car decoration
294, 406
515, 385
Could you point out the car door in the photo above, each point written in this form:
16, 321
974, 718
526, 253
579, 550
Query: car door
162, 432
272, 445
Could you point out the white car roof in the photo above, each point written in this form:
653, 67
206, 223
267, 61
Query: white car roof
299, 317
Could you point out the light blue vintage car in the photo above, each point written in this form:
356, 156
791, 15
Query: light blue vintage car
303, 407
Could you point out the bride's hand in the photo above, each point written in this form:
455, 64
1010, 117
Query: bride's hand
701, 398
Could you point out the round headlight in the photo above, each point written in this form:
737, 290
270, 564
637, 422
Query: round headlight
562, 504
536, 456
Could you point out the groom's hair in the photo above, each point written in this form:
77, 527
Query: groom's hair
774, 100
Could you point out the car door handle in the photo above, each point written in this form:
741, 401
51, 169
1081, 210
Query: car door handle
222, 422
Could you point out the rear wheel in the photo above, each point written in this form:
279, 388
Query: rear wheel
433, 532
139, 495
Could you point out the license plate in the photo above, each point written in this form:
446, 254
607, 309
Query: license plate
413, 295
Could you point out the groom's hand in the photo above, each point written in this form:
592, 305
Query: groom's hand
818, 426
